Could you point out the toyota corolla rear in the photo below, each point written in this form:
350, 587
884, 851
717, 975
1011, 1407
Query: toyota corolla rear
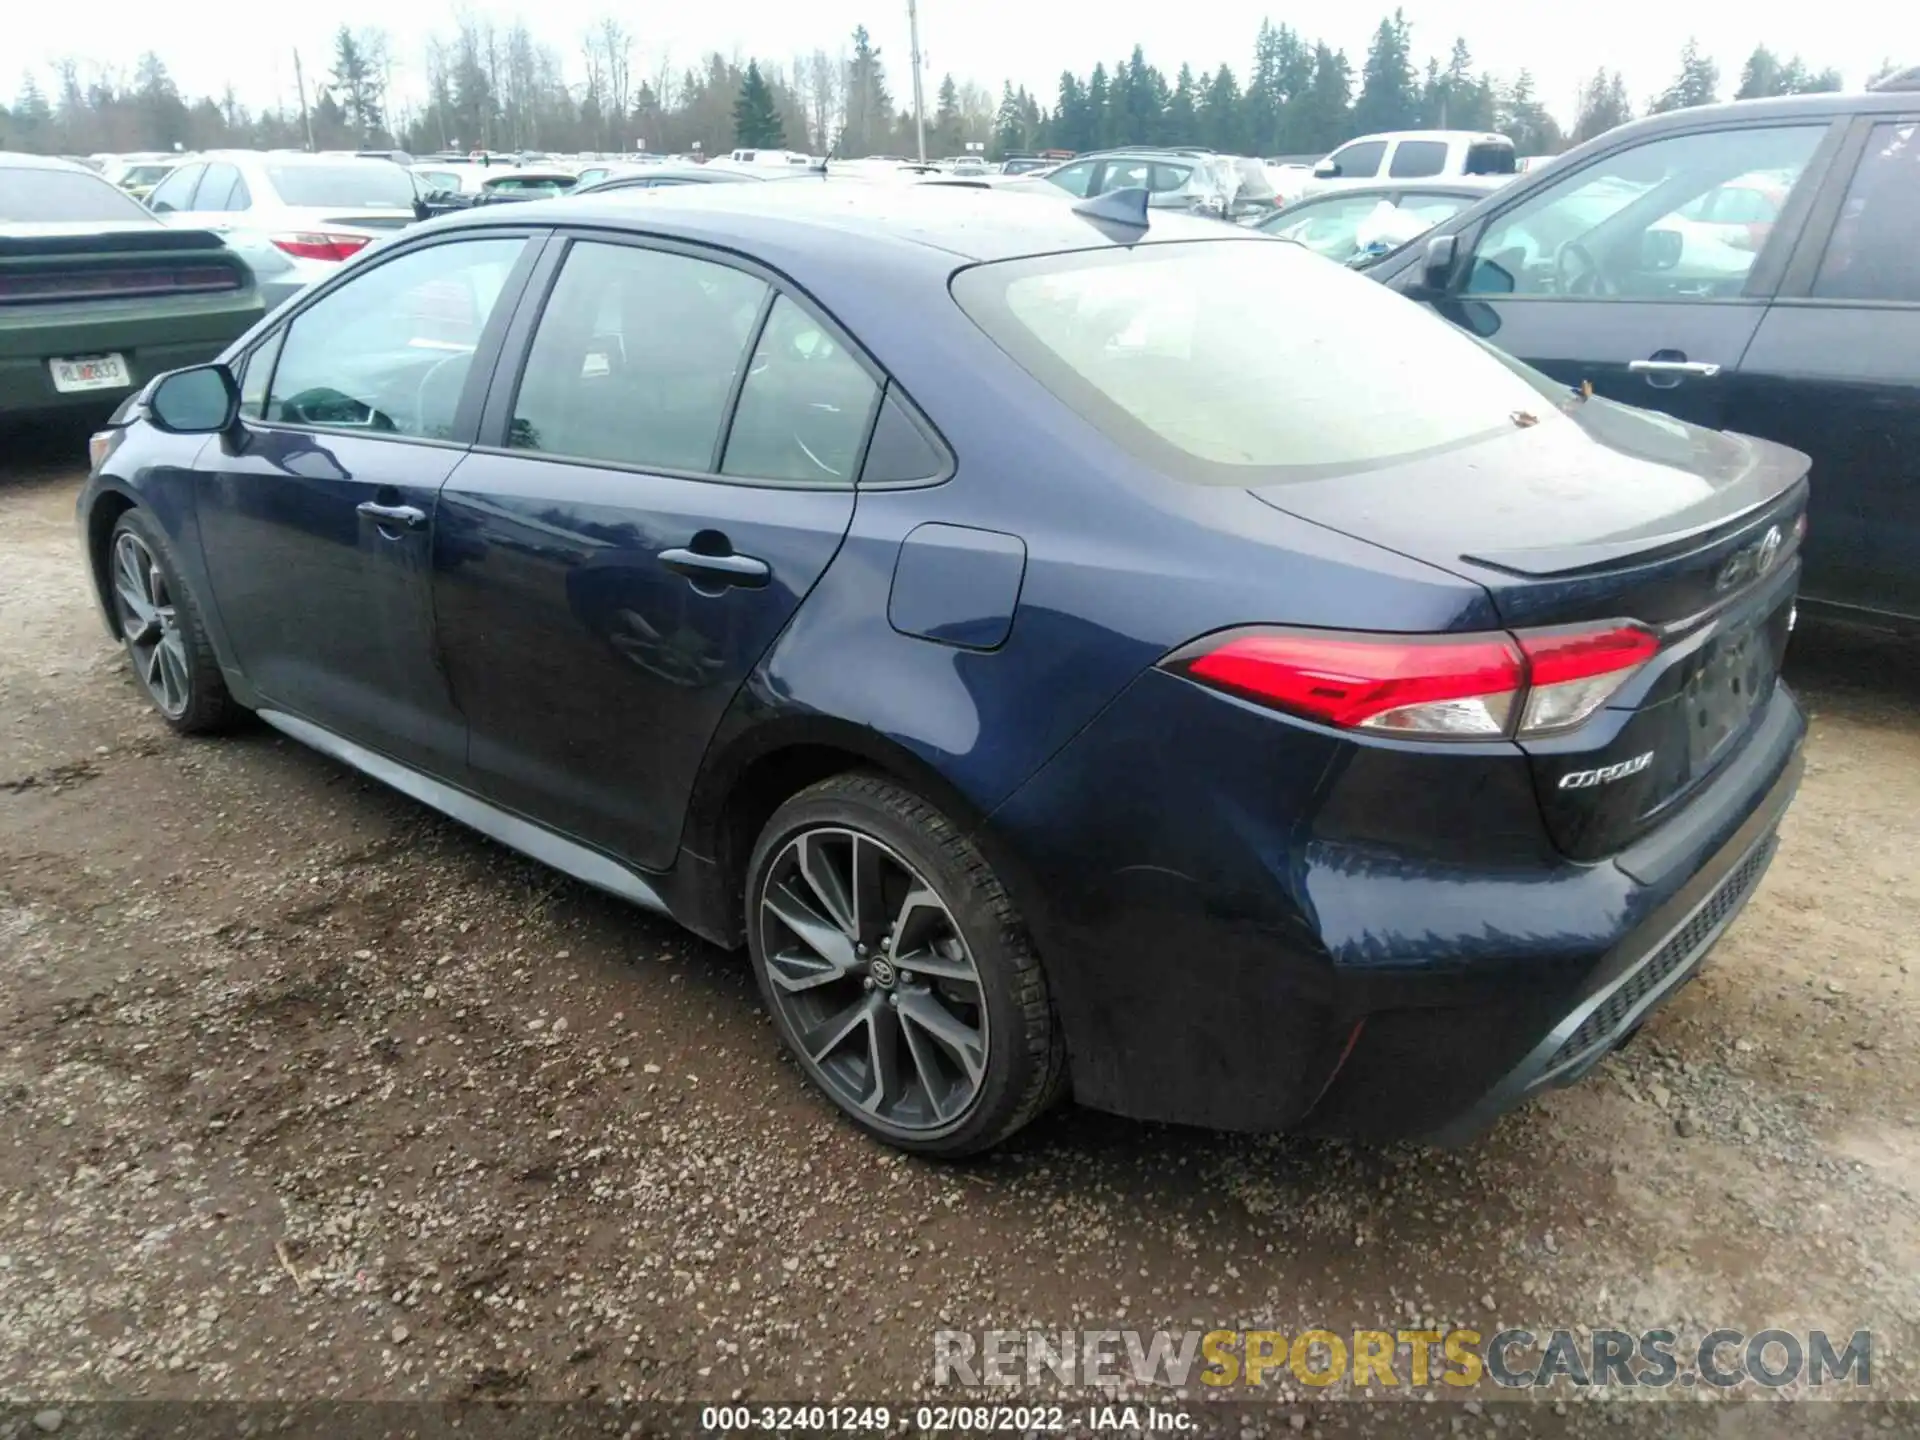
1468, 750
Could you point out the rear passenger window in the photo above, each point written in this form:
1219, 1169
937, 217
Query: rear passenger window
635, 358
1487, 158
1873, 254
805, 407
1416, 159
1362, 161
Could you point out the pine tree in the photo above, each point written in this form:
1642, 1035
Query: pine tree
1388, 99
357, 80
1220, 113
947, 137
1264, 97
1009, 126
1697, 84
1072, 118
1182, 123
1603, 105
1099, 109
1525, 120
756, 117
1760, 76
1323, 118
1139, 119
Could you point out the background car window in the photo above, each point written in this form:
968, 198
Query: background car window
1618, 226
176, 191
1875, 250
439, 179
1074, 179
1126, 175
350, 183
1168, 178
635, 358
388, 352
1488, 158
805, 406
1361, 161
1326, 227
1416, 159
217, 186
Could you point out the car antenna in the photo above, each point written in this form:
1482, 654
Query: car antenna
1118, 214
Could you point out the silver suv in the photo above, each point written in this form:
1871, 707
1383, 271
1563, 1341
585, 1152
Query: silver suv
1233, 187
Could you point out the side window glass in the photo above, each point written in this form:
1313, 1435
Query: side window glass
1623, 225
1362, 161
176, 191
215, 191
1327, 227
240, 198
805, 406
635, 358
1126, 175
900, 451
1416, 159
1875, 250
1168, 178
1073, 179
256, 375
388, 352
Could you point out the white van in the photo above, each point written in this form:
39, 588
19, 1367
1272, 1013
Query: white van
1414, 155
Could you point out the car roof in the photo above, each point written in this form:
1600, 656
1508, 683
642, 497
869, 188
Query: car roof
1451, 137
21, 160
849, 216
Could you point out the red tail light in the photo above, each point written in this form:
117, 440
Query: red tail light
319, 245
1486, 686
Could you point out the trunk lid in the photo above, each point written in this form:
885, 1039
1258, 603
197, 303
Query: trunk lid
1622, 515
53, 263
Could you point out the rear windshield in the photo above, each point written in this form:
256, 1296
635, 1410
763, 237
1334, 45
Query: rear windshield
350, 184
1491, 158
55, 196
1247, 362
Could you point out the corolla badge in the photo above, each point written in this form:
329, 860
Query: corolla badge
1751, 563
1605, 774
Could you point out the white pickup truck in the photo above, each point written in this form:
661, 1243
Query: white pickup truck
1413, 155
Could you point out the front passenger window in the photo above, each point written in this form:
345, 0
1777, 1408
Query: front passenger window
1624, 225
389, 351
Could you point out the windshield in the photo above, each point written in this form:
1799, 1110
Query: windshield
42, 197
1218, 361
351, 183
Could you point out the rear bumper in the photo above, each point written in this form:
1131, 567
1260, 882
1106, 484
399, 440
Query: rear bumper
1299, 936
153, 338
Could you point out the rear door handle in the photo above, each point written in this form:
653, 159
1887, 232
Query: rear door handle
741, 570
410, 516
1705, 369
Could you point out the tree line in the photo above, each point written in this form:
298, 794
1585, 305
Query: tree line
495, 86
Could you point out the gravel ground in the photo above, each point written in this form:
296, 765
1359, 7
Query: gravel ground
307, 1092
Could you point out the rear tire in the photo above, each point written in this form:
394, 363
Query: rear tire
162, 629
897, 970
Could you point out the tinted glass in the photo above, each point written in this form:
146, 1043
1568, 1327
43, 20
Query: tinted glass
635, 358
388, 352
1875, 250
1414, 159
350, 183
255, 374
900, 451
1358, 162
1588, 233
1489, 158
1152, 346
56, 196
1074, 179
805, 406
176, 191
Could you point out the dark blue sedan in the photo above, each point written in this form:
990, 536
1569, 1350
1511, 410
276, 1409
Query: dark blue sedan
1071, 655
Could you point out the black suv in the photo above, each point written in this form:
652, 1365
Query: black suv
1752, 267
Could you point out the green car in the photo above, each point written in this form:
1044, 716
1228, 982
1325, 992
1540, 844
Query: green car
97, 296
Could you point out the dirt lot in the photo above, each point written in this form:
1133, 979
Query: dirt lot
306, 1091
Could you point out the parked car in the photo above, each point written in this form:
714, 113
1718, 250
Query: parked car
594, 172
138, 174
1747, 266
292, 217
97, 297
1230, 186
1065, 649
1413, 155
655, 177
526, 182
1364, 223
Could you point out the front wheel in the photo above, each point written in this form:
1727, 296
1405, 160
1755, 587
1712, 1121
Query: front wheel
162, 630
897, 970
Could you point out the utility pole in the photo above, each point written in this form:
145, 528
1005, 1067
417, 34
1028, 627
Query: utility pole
919, 99
306, 115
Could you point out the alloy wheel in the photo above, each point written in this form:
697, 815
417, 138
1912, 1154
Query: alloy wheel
151, 625
876, 984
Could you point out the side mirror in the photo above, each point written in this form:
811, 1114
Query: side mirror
1436, 267
1661, 249
1327, 170
204, 400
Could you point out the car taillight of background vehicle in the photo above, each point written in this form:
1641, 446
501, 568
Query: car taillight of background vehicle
318, 245
1466, 687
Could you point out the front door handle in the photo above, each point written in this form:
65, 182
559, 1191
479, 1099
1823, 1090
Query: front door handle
411, 516
708, 570
1705, 369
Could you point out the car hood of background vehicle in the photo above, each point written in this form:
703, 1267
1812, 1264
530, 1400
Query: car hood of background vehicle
1551, 497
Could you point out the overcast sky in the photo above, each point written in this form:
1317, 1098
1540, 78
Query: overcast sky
206, 43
